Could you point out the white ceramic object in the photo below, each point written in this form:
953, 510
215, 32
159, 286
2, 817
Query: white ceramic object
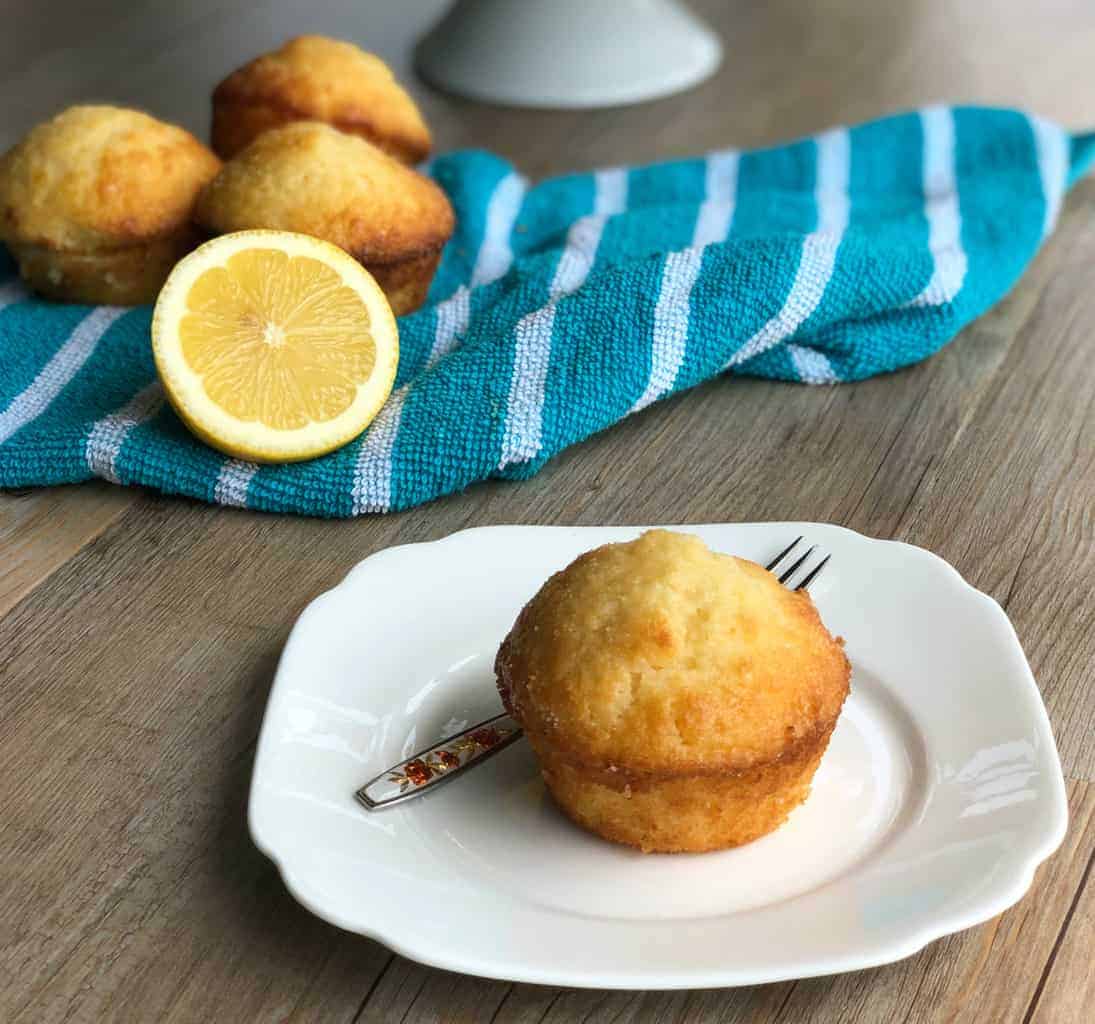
940, 793
568, 53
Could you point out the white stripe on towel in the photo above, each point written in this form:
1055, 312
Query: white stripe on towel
493, 260
232, 482
819, 248
610, 191
720, 192
532, 344
671, 315
372, 488
452, 322
1052, 146
107, 435
669, 334
721, 174
942, 209
815, 270
36, 398
834, 167
496, 253
712, 222
813, 367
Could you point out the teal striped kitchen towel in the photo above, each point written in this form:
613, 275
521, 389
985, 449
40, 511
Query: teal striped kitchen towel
563, 307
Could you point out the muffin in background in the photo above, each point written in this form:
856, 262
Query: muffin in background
676, 699
311, 178
313, 78
96, 204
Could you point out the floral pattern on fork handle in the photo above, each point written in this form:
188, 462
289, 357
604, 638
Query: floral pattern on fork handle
439, 763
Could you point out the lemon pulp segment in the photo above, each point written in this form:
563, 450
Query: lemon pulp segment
277, 339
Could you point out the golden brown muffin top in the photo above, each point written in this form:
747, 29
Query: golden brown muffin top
311, 178
97, 177
662, 656
321, 79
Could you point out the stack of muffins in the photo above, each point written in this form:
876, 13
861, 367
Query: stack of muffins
98, 204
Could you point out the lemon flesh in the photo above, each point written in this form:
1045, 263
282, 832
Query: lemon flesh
274, 346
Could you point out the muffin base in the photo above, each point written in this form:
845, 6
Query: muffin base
406, 282
685, 813
129, 276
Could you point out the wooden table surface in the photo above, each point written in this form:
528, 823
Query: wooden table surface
139, 633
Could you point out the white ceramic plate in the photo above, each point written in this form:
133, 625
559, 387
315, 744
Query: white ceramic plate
939, 795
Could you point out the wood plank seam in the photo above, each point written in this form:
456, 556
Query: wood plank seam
410, 1006
1018, 570
786, 1000
989, 931
588, 1015
634, 997
916, 489
372, 988
550, 1006
1044, 977
916, 995
502, 1002
898, 434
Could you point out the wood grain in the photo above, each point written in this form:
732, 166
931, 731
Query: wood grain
1068, 991
138, 634
40, 530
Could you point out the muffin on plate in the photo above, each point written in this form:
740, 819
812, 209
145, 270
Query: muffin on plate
310, 178
676, 699
96, 203
312, 78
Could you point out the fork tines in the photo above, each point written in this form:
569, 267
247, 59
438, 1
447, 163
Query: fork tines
803, 570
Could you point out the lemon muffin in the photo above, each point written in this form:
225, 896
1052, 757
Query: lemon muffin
312, 78
310, 178
676, 699
96, 204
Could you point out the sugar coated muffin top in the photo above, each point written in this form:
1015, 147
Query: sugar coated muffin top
311, 178
321, 79
97, 178
662, 656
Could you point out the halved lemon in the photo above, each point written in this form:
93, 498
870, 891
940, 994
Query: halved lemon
274, 346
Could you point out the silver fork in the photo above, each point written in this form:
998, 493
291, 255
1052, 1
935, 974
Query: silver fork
452, 756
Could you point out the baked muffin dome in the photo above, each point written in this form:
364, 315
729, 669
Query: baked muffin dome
313, 78
677, 699
96, 203
310, 178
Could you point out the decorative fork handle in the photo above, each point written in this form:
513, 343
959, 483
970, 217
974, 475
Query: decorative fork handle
439, 763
